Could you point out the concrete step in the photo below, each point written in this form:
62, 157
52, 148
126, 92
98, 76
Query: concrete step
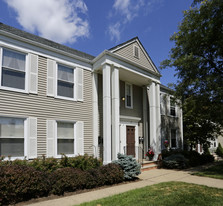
148, 165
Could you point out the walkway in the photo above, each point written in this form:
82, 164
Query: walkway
148, 178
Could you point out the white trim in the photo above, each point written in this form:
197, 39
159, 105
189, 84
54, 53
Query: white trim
25, 137
133, 119
55, 143
123, 135
56, 84
26, 71
131, 95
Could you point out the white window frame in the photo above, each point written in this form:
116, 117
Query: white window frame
134, 53
131, 93
75, 150
171, 138
25, 138
171, 107
26, 70
56, 83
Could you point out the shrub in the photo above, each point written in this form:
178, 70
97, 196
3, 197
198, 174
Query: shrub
83, 162
129, 165
219, 150
175, 161
67, 180
19, 183
112, 174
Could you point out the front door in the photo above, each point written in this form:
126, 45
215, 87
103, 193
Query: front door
130, 140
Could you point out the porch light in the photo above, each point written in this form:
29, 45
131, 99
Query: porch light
123, 98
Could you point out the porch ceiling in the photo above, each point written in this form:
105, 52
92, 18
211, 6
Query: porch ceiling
133, 78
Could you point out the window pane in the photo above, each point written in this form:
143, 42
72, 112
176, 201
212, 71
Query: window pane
11, 147
65, 146
13, 60
11, 127
65, 89
13, 79
65, 130
128, 101
65, 73
172, 111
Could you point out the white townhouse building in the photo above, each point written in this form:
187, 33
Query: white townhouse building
56, 100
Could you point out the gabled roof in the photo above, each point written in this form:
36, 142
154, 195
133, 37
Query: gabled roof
135, 39
44, 41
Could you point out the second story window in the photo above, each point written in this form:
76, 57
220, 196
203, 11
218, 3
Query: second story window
65, 81
13, 71
128, 96
172, 107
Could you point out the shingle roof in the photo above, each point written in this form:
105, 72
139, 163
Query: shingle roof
44, 41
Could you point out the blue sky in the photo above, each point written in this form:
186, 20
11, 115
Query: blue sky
93, 26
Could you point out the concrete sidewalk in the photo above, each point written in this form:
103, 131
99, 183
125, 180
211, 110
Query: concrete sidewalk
147, 178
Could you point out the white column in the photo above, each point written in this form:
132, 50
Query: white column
145, 119
106, 72
158, 120
115, 112
152, 117
95, 113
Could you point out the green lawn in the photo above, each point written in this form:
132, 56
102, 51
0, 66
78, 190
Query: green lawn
214, 172
170, 193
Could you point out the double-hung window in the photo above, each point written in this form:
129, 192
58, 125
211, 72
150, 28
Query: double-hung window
172, 107
12, 137
65, 138
128, 96
13, 71
173, 138
65, 81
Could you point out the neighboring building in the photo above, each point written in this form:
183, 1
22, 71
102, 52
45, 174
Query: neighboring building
54, 99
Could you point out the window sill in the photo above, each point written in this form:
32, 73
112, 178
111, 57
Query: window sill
13, 90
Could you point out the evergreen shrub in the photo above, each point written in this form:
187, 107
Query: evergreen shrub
129, 165
175, 161
219, 150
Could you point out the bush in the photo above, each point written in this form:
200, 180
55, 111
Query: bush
129, 165
175, 161
19, 183
67, 180
219, 150
84, 162
71, 179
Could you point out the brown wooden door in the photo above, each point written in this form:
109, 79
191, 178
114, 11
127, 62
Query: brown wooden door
130, 140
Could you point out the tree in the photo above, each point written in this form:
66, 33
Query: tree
198, 61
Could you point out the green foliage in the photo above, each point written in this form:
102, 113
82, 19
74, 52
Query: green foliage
129, 165
20, 183
193, 157
175, 161
198, 60
219, 150
84, 162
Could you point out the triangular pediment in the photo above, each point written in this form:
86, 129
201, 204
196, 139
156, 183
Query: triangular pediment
127, 50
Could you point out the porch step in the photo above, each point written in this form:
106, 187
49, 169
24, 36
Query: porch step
148, 165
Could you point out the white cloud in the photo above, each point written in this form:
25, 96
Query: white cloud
59, 20
114, 31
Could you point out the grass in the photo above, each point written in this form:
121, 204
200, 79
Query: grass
168, 194
214, 172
